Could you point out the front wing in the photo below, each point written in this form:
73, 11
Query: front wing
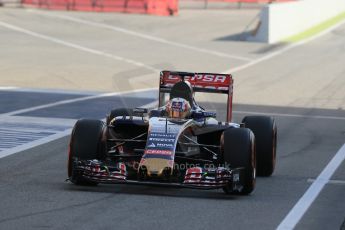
195, 177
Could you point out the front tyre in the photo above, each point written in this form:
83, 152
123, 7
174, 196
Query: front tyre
238, 148
265, 131
85, 144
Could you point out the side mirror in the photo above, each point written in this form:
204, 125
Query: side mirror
157, 113
209, 114
139, 111
204, 114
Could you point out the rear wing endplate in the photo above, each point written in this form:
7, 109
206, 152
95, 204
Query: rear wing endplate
200, 82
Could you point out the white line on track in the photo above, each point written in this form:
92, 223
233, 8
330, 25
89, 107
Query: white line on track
291, 115
60, 134
38, 142
64, 102
78, 47
50, 91
300, 208
8, 88
18, 133
337, 182
140, 35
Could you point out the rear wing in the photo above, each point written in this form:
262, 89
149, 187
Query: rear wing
200, 82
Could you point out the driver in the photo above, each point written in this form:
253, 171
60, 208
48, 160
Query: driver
178, 108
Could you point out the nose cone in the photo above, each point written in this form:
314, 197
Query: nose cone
157, 167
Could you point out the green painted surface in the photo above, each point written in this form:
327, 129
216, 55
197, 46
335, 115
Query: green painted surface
316, 29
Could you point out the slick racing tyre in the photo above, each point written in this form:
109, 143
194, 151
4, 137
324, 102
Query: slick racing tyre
85, 144
238, 147
119, 112
265, 131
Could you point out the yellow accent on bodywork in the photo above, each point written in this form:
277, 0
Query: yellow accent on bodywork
156, 165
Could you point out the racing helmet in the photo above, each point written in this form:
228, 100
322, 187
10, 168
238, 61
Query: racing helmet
178, 108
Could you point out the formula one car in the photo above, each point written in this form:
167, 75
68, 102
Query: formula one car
178, 144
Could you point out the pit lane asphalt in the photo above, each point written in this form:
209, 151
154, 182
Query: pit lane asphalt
306, 81
35, 195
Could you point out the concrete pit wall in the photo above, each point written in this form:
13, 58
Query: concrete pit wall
279, 21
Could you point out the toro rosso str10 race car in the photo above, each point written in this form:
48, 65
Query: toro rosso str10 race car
178, 144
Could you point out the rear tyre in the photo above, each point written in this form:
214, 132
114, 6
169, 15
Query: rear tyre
238, 147
85, 144
119, 112
265, 131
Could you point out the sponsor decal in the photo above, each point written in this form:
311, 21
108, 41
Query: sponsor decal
161, 139
166, 145
162, 135
202, 78
195, 170
158, 151
152, 145
193, 175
